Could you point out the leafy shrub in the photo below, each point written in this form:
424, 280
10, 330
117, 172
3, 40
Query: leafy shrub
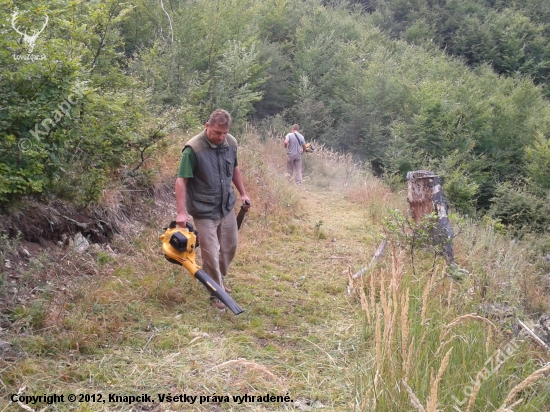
520, 210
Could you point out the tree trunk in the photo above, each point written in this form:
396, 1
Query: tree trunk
425, 196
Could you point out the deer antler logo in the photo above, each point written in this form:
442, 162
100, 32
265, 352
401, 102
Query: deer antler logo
30, 41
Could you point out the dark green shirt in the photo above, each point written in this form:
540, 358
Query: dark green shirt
188, 163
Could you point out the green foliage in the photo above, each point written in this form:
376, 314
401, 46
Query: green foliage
146, 69
73, 118
240, 76
420, 32
459, 187
496, 224
33, 316
414, 238
18, 174
511, 36
520, 210
309, 111
537, 159
402, 107
213, 60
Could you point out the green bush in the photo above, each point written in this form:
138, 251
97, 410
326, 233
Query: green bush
520, 210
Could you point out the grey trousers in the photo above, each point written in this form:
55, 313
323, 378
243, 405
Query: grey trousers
294, 162
218, 244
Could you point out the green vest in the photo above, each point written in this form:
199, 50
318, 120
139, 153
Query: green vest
209, 194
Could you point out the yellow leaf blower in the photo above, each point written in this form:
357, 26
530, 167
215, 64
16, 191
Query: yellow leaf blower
179, 245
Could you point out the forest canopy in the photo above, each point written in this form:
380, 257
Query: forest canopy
457, 87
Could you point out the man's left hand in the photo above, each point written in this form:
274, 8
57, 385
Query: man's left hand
246, 202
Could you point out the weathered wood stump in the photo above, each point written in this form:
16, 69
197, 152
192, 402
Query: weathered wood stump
425, 196
543, 329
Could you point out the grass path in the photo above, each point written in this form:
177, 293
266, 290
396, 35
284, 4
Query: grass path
131, 323
143, 326
299, 283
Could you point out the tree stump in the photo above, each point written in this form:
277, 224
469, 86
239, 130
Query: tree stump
425, 196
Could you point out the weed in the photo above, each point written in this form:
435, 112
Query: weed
104, 258
31, 317
412, 237
319, 234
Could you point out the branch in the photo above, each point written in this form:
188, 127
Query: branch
169, 19
153, 139
375, 258
533, 334
102, 41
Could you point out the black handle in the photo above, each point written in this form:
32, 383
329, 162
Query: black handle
242, 209
173, 225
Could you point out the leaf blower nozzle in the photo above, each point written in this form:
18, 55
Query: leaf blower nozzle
218, 291
179, 245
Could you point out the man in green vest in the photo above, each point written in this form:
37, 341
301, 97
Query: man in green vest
203, 190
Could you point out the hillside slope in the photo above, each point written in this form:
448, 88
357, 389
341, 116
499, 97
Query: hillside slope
122, 321
142, 325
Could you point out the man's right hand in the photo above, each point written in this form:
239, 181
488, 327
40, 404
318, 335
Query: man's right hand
182, 219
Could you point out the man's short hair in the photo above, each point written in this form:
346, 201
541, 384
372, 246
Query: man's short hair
295, 127
220, 117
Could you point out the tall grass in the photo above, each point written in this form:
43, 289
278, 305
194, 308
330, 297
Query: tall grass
503, 269
428, 354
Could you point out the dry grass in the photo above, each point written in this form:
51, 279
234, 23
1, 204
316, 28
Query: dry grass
413, 320
435, 381
473, 396
502, 269
251, 366
526, 383
136, 323
460, 319
414, 400
141, 324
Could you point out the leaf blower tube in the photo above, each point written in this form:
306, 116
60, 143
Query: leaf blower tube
220, 293
178, 246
